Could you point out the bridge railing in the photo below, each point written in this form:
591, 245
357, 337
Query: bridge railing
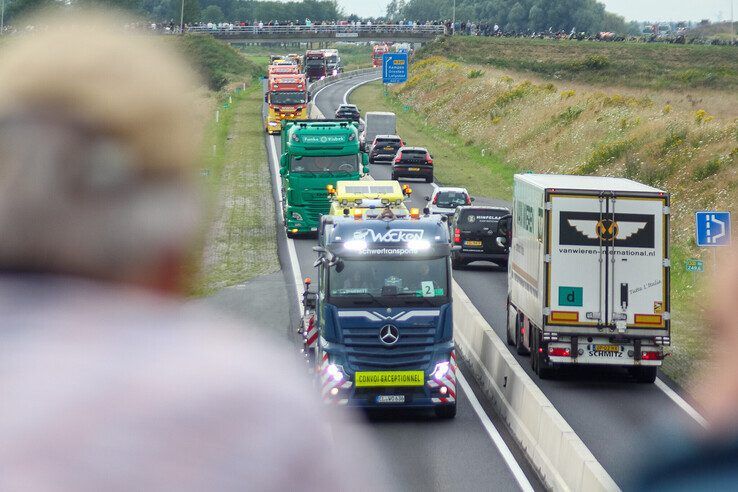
329, 30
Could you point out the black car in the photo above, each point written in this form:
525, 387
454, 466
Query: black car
482, 233
413, 162
348, 112
384, 148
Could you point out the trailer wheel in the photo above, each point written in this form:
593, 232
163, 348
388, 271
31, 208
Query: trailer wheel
538, 359
520, 348
644, 374
446, 411
509, 337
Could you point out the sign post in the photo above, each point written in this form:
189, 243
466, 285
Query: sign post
713, 230
394, 68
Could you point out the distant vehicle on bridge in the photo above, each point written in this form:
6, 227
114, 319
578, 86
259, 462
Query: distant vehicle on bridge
315, 65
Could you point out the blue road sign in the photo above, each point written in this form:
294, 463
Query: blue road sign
694, 265
394, 68
713, 228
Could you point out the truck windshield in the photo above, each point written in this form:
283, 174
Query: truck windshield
390, 283
325, 164
287, 97
315, 63
332, 60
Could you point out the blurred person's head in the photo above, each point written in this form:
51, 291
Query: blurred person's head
97, 146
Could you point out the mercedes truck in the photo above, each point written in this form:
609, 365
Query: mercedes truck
287, 99
589, 270
379, 328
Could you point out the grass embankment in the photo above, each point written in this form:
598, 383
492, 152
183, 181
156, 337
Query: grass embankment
642, 65
663, 138
241, 240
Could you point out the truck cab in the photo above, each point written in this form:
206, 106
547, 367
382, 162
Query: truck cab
332, 61
316, 153
383, 314
315, 65
287, 99
377, 51
368, 198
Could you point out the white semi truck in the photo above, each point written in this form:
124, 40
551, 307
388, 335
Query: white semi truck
588, 281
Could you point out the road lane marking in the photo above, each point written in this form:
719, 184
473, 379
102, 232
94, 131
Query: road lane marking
351, 89
681, 403
494, 434
291, 251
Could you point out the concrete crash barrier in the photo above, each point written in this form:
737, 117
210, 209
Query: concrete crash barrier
558, 454
313, 111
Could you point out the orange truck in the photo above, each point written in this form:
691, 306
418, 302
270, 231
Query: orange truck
377, 51
288, 99
283, 70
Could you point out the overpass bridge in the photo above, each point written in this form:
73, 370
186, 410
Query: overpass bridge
322, 33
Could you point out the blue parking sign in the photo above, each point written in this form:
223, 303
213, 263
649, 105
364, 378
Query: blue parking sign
394, 68
713, 228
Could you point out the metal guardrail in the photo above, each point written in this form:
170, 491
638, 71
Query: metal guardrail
321, 30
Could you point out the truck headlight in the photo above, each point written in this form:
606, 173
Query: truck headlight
335, 371
440, 370
273, 123
296, 216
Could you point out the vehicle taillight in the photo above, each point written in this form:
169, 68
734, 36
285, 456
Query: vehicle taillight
428, 159
468, 200
559, 352
650, 356
398, 158
457, 235
435, 199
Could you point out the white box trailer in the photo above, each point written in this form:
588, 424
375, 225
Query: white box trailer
588, 281
377, 123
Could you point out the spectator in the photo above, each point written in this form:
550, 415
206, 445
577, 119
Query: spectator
109, 381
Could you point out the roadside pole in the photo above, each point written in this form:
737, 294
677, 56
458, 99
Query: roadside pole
453, 20
2, 17
181, 18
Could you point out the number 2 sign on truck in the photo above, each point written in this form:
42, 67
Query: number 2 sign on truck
589, 273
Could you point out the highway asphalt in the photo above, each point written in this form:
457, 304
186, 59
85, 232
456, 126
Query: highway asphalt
474, 451
619, 420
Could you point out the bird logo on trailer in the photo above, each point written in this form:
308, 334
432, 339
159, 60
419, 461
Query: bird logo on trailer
590, 228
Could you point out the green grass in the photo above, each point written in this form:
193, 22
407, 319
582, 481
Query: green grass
643, 65
217, 62
241, 242
456, 162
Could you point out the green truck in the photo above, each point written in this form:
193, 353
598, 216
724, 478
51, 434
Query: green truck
316, 153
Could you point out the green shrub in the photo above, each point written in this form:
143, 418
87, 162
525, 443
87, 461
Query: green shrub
706, 170
475, 74
605, 153
569, 115
593, 62
217, 62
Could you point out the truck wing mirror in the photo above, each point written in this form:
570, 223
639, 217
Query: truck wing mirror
365, 160
426, 198
310, 96
282, 171
319, 249
266, 97
311, 300
472, 199
339, 265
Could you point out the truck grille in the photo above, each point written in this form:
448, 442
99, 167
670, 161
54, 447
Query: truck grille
413, 350
317, 208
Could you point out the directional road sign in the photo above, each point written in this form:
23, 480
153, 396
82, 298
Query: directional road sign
713, 228
394, 68
694, 265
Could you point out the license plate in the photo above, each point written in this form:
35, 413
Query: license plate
607, 348
414, 169
389, 147
472, 243
391, 399
369, 379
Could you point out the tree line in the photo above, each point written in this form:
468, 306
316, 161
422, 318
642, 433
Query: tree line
515, 15
196, 10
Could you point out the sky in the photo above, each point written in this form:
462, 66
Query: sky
630, 9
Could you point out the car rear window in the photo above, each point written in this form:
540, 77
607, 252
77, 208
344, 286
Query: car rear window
448, 198
388, 141
481, 216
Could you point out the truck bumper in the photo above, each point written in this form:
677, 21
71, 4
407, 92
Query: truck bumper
437, 391
298, 225
601, 351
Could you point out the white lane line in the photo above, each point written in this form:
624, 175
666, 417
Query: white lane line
492, 431
681, 403
494, 434
291, 252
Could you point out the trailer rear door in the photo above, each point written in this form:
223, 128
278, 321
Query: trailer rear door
607, 261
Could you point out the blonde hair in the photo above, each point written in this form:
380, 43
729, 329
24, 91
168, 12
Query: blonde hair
98, 142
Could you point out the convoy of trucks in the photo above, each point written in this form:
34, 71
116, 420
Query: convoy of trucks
588, 265
588, 279
316, 153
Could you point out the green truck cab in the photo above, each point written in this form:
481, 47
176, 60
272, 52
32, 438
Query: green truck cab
316, 153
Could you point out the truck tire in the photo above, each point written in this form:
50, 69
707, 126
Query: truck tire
502, 264
393, 178
644, 374
538, 359
457, 263
446, 411
429, 180
520, 348
509, 337
291, 234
